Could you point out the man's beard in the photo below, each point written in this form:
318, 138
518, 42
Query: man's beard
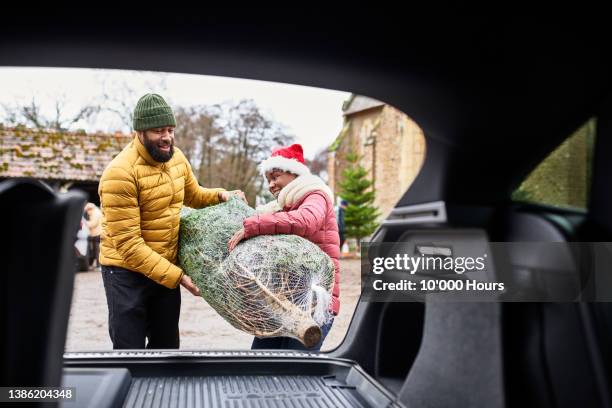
156, 153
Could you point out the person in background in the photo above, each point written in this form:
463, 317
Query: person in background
94, 224
341, 225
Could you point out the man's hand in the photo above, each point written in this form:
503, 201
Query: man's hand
188, 284
226, 195
235, 240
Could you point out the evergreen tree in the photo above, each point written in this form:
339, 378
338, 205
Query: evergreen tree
360, 214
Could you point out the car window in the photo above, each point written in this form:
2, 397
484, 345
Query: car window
563, 178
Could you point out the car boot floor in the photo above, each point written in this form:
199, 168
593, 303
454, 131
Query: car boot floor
244, 391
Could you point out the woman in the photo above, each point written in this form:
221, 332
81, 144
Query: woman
304, 207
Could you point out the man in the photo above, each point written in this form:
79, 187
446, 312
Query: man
141, 194
95, 228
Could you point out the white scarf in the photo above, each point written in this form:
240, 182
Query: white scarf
294, 191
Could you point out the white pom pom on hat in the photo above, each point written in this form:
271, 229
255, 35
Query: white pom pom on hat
290, 159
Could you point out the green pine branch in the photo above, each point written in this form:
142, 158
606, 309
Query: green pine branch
361, 215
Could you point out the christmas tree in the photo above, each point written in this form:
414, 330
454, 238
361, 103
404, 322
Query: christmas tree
360, 215
268, 286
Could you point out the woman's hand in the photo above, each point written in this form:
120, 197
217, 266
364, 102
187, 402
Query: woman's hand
226, 195
235, 240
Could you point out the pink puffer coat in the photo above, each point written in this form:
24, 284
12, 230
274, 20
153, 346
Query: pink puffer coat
305, 208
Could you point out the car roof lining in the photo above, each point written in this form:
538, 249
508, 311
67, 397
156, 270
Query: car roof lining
498, 95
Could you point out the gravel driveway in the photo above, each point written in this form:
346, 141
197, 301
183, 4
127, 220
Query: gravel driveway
200, 326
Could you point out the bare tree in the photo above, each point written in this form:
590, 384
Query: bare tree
249, 136
119, 97
318, 165
197, 134
224, 144
31, 115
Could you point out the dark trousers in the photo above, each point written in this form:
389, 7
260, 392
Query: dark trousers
288, 343
140, 309
94, 249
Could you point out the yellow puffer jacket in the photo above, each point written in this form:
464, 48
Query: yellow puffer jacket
141, 200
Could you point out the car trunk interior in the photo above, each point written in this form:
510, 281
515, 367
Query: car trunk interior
488, 120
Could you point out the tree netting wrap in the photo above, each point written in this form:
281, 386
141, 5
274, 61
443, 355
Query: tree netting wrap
268, 286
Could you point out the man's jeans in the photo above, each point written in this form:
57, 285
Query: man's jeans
140, 309
288, 343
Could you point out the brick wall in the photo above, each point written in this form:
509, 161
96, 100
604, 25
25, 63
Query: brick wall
392, 149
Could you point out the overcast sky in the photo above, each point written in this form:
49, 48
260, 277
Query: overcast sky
313, 115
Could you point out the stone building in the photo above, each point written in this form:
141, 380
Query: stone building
390, 144
63, 160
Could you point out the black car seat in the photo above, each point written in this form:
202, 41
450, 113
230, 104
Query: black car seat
37, 280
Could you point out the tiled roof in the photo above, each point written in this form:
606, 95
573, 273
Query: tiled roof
359, 103
55, 155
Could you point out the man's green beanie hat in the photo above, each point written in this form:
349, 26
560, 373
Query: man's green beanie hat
152, 111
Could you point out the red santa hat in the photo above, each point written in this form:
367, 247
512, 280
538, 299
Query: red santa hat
289, 159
